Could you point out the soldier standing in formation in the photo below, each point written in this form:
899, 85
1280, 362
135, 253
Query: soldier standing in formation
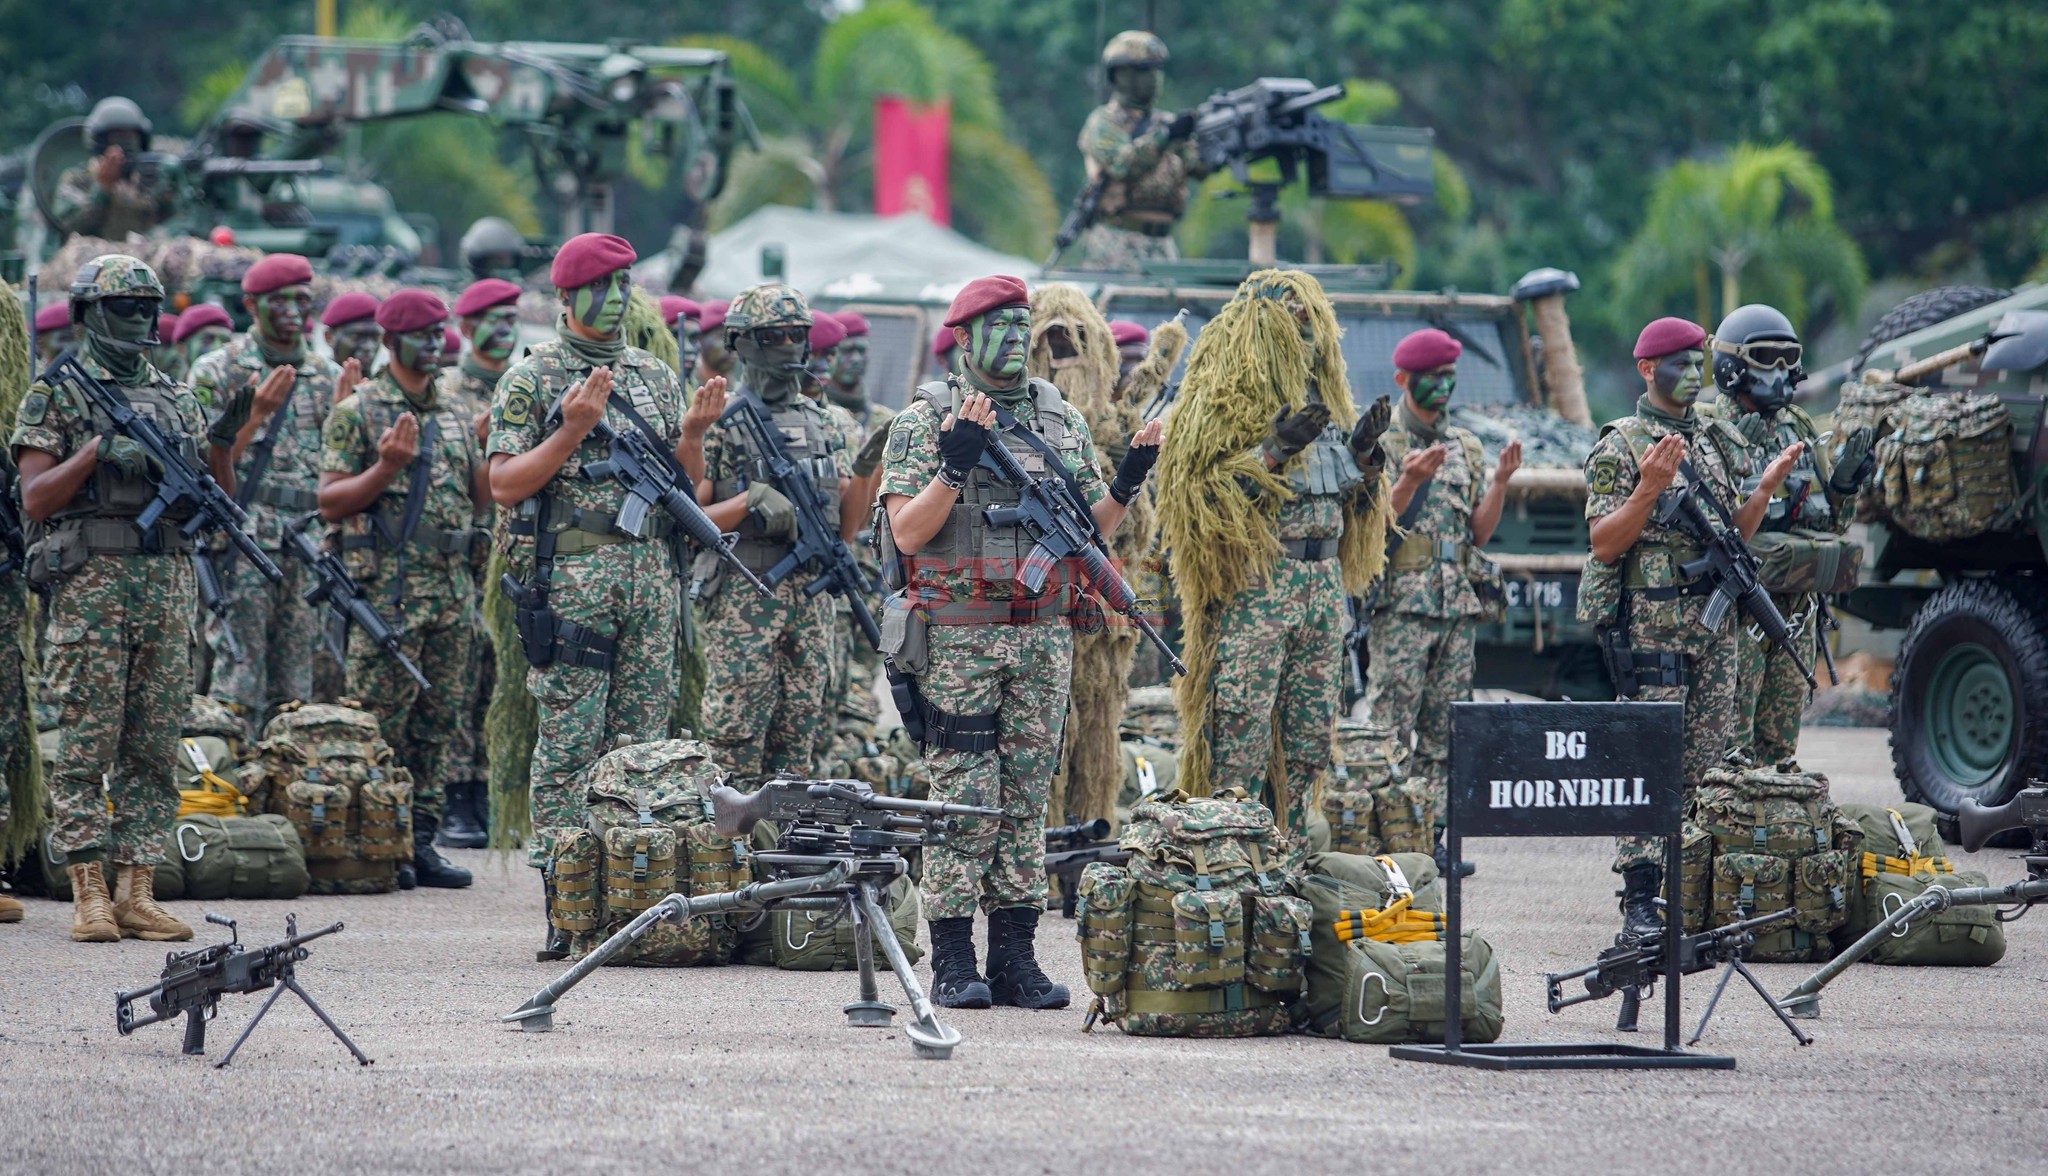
1144, 156
846, 387
990, 665
201, 329
119, 669
1634, 582
166, 355
352, 331
401, 472
104, 196
714, 358
1425, 609
54, 334
277, 470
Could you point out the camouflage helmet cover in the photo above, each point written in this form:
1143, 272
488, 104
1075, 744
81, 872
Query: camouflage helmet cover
115, 275
1134, 47
772, 305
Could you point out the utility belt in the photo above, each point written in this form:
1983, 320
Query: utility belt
1420, 551
289, 499
545, 637
758, 555
1153, 224
577, 530
432, 539
1311, 550
64, 546
1632, 670
1020, 610
929, 727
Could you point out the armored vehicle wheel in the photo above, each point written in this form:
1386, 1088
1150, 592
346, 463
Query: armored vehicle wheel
1924, 310
1969, 711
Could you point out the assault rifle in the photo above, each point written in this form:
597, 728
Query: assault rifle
1087, 204
194, 981
1357, 640
1052, 512
1070, 849
838, 849
1632, 966
818, 545
1728, 564
335, 588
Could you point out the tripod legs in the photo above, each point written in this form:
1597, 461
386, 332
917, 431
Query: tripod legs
289, 981
1734, 967
928, 1038
869, 1012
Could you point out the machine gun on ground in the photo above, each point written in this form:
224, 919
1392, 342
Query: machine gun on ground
1728, 564
335, 588
1632, 965
194, 981
1070, 849
839, 847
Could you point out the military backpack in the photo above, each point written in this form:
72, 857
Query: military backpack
1370, 805
1767, 839
823, 941
326, 768
1903, 856
1944, 465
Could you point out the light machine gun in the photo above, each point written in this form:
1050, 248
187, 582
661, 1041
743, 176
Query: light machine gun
1632, 965
839, 849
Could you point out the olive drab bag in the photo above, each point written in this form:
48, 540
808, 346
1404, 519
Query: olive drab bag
1197, 935
1777, 841
326, 768
1807, 561
1376, 969
1944, 466
216, 850
1903, 856
1370, 805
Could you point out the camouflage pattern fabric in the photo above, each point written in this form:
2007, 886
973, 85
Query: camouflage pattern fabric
1108, 248
469, 387
1021, 672
847, 643
1148, 173
1420, 666
83, 208
1440, 587
1771, 692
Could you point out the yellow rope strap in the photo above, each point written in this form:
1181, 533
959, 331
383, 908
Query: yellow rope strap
1396, 924
1875, 864
214, 797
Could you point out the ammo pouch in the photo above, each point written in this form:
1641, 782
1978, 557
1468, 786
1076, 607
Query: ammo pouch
63, 546
545, 637
1630, 670
929, 727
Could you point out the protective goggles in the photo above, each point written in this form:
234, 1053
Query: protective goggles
1765, 353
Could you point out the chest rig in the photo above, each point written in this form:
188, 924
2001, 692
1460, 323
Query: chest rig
801, 426
1802, 502
110, 494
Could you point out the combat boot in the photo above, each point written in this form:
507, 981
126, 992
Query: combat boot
428, 866
1014, 977
1640, 914
10, 909
556, 945
92, 912
136, 911
955, 983
460, 828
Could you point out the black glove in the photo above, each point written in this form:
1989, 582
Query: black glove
1292, 434
1853, 461
1130, 473
960, 447
1181, 127
1754, 428
1365, 436
233, 415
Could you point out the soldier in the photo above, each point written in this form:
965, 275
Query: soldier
1132, 340
1756, 366
277, 467
614, 601
713, 357
352, 331
1425, 610
105, 196
990, 671
119, 668
202, 328
847, 382
1142, 154
846, 388
402, 473
945, 354
493, 248
18, 754
1633, 579
1272, 500
684, 316
54, 335
769, 660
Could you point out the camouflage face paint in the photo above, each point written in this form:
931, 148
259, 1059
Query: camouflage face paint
1432, 390
496, 334
1678, 375
204, 340
998, 343
715, 355
419, 351
358, 341
850, 362
281, 315
601, 305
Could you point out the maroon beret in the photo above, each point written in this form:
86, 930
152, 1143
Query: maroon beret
411, 310
53, 316
167, 327
942, 343
451, 343
982, 295
826, 333
1124, 331
275, 272
856, 323
198, 317
1667, 335
482, 296
713, 316
1426, 349
586, 257
352, 307
675, 306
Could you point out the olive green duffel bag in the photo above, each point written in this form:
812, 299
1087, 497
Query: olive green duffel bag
1903, 856
208, 857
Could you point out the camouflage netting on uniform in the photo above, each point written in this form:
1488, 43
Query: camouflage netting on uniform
24, 794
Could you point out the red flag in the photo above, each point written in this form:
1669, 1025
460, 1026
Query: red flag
911, 156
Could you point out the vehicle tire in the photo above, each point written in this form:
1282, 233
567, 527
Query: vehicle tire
1924, 310
1969, 709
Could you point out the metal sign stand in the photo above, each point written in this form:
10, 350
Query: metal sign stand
1651, 733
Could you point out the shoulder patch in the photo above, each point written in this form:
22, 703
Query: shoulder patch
34, 407
1604, 474
899, 444
518, 407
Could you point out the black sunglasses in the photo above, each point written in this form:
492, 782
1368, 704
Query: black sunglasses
781, 336
131, 307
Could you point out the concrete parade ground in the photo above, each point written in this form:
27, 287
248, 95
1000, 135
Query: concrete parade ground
753, 1070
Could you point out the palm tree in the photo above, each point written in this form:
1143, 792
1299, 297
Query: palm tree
1761, 219
818, 131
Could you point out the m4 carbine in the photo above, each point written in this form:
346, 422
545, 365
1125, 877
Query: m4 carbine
1728, 564
335, 588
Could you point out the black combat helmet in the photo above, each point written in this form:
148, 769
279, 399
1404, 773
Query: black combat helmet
493, 248
114, 114
1757, 354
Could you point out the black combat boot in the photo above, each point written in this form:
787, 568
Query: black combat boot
1640, 914
460, 828
556, 945
427, 864
1014, 977
407, 879
955, 983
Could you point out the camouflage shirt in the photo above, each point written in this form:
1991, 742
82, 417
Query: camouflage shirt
351, 447
467, 386
1441, 587
1146, 172
728, 466
60, 422
1611, 476
83, 208
291, 480
1750, 440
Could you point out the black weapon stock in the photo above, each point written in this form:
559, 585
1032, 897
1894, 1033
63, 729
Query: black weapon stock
335, 588
1728, 563
1087, 205
818, 545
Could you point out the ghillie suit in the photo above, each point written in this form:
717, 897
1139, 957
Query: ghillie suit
23, 800
1222, 511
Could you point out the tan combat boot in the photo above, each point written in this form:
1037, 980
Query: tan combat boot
10, 909
92, 913
136, 911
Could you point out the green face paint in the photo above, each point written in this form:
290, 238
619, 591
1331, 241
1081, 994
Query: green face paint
998, 343
1432, 390
1679, 375
357, 341
601, 306
496, 334
850, 362
418, 350
281, 315
205, 340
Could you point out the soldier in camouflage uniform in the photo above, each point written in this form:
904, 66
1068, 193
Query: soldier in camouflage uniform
119, 667
352, 331
202, 328
17, 726
104, 197
615, 601
769, 660
1145, 155
827, 333
402, 473
1425, 610
277, 466
166, 355
1633, 579
989, 664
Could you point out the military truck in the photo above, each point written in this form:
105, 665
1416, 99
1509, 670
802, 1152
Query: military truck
1958, 560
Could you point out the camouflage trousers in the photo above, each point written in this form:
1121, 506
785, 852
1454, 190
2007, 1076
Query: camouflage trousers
1420, 666
119, 676
438, 634
279, 634
1106, 247
466, 758
768, 669
1020, 672
1773, 694
1708, 695
1279, 651
1093, 772
863, 662
627, 590
17, 728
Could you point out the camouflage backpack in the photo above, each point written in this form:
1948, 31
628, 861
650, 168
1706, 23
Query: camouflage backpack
1945, 467
1369, 805
1903, 856
326, 767
1771, 838
1196, 937
650, 835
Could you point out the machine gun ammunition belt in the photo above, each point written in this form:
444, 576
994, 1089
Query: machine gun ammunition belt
1310, 550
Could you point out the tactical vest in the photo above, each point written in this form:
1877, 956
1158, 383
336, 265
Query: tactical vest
802, 426
1652, 564
99, 519
576, 529
1418, 550
1802, 502
966, 536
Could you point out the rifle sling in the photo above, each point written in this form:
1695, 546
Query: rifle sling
415, 506
1409, 514
260, 463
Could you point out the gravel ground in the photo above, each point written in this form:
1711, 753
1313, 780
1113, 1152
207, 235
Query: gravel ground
751, 1069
